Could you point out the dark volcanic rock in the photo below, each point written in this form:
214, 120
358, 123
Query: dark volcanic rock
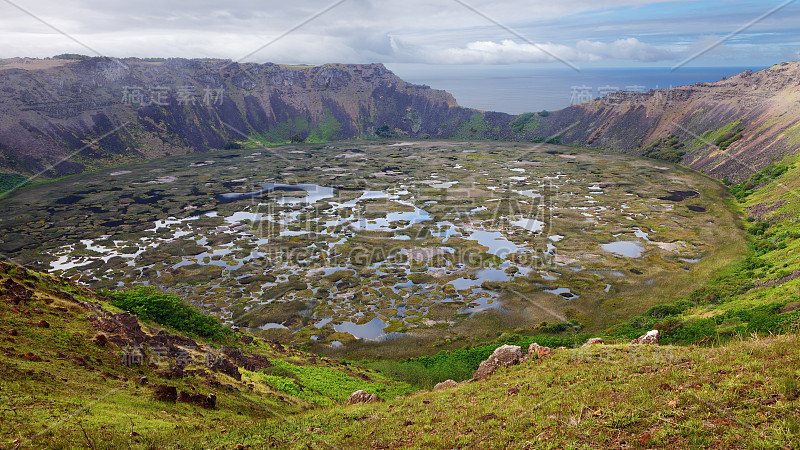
248, 362
205, 401
224, 365
100, 339
165, 393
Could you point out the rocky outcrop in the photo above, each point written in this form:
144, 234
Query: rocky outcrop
649, 338
165, 393
538, 350
224, 365
360, 396
447, 384
593, 341
102, 109
503, 356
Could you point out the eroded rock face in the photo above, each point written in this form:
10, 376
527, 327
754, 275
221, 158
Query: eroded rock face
67, 102
447, 384
649, 338
593, 341
503, 356
360, 396
750, 99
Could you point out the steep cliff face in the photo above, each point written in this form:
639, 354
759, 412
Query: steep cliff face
63, 116
732, 127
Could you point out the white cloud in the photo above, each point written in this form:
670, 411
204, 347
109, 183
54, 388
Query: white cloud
510, 52
375, 30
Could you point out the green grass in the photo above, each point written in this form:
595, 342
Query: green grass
460, 364
10, 182
769, 173
744, 393
59, 389
475, 128
325, 386
666, 149
525, 123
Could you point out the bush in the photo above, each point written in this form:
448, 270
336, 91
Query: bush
769, 173
725, 141
10, 182
168, 310
523, 122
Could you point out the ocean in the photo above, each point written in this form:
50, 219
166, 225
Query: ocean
518, 89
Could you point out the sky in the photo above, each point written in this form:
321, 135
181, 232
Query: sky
570, 33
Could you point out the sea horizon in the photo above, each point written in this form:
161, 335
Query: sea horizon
519, 89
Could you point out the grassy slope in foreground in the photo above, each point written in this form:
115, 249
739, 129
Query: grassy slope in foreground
60, 389
743, 393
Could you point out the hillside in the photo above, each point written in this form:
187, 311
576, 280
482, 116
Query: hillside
64, 381
729, 128
65, 386
79, 114
744, 394
64, 116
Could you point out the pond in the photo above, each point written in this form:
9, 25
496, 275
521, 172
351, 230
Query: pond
370, 330
628, 249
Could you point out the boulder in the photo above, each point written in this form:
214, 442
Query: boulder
174, 372
503, 356
447, 384
362, 397
43, 324
538, 350
165, 393
100, 339
649, 338
593, 341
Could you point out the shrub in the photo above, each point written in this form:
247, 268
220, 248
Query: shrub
150, 304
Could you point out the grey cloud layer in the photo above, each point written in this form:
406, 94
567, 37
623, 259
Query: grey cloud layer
439, 32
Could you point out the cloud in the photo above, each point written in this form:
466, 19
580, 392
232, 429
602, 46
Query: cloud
379, 31
510, 52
